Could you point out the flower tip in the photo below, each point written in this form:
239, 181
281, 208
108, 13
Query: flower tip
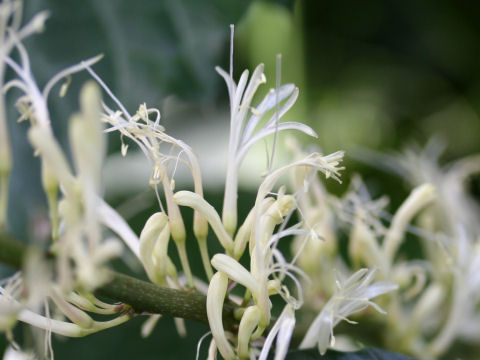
124, 150
313, 134
427, 191
39, 20
219, 70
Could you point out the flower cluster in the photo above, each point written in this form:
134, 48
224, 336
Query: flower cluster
251, 258
81, 251
437, 299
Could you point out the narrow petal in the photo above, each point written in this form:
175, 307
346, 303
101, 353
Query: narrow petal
195, 201
284, 328
270, 130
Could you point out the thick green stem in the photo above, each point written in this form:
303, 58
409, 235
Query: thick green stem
150, 298
142, 296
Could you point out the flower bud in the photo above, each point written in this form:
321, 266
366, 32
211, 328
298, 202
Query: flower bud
248, 324
215, 298
149, 237
420, 197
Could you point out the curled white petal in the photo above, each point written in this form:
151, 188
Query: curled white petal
215, 297
248, 323
195, 201
235, 271
148, 239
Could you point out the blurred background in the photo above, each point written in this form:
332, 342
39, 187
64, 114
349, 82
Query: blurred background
378, 75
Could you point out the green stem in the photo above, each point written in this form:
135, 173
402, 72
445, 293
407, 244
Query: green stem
150, 298
182, 253
202, 244
141, 296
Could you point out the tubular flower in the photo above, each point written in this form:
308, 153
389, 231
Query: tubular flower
151, 138
353, 295
268, 269
245, 133
266, 274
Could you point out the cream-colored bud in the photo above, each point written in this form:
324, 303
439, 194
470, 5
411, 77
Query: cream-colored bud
235, 271
200, 226
363, 246
160, 255
420, 197
244, 232
171, 269
148, 240
73, 313
281, 207
177, 229
249, 322
229, 219
38, 21
87, 145
274, 286
429, 303
274, 215
9, 311
215, 298
90, 106
195, 201
64, 88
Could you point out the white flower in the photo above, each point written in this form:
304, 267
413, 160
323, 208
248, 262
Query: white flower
283, 330
195, 201
217, 290
353, 295
150, 137
245, 133
153, 247
10, 34
268, 268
